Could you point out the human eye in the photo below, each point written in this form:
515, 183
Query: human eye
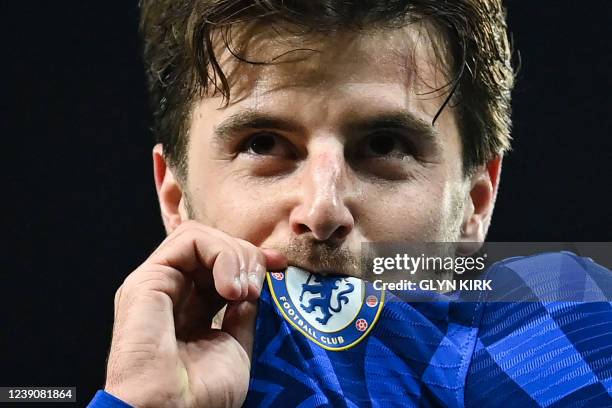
384, 154
385, 145
268, 144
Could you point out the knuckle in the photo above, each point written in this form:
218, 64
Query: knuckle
251, 249
253, 254
161, 278
158, 279
244, 247
186, 227
130, 280
261, 259
193, 231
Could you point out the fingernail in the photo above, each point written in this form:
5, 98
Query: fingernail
253, 279
258, 275
256, 279
238, 283
244, 283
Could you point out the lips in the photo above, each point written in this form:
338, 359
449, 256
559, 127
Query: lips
323, 270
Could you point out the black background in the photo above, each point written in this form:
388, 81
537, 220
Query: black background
80, 210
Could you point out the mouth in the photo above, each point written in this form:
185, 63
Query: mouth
321, 258
324, 270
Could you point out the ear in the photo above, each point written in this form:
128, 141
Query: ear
169, 191
479, 208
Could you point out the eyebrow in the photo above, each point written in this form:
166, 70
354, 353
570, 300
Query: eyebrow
400, 120
249, 119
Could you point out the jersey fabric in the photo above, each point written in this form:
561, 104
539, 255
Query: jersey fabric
103, 399
547, 344
454, 352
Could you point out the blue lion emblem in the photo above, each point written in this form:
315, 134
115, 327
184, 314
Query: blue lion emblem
325, 288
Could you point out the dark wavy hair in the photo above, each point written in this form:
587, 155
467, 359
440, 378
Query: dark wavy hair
181, 62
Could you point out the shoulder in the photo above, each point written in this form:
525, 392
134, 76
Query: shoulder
548, 338
550, 277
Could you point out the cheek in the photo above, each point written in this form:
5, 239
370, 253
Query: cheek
254, 221
242, 209
416, 212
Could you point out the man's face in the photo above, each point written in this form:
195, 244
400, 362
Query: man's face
329, 149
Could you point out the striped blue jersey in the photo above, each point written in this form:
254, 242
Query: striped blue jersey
453, 351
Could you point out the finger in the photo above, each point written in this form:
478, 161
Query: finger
245, 262
257, 275
255, 270
144, 310
241, 248
239, 322
193, 250
200, 308
275, 260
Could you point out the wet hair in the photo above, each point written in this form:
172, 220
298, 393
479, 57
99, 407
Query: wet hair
181, 42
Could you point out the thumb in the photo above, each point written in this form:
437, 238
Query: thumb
275, 260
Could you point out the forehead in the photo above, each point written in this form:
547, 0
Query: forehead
273, 59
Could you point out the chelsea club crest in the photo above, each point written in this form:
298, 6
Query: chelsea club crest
336, 312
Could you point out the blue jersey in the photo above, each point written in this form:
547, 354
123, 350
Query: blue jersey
390, 350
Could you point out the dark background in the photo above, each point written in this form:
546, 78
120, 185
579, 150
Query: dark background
80, 210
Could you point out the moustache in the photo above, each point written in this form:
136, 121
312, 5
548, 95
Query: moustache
324, 257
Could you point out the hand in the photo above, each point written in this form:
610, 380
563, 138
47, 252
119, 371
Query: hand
164, 352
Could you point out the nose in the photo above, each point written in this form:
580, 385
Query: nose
323, 207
